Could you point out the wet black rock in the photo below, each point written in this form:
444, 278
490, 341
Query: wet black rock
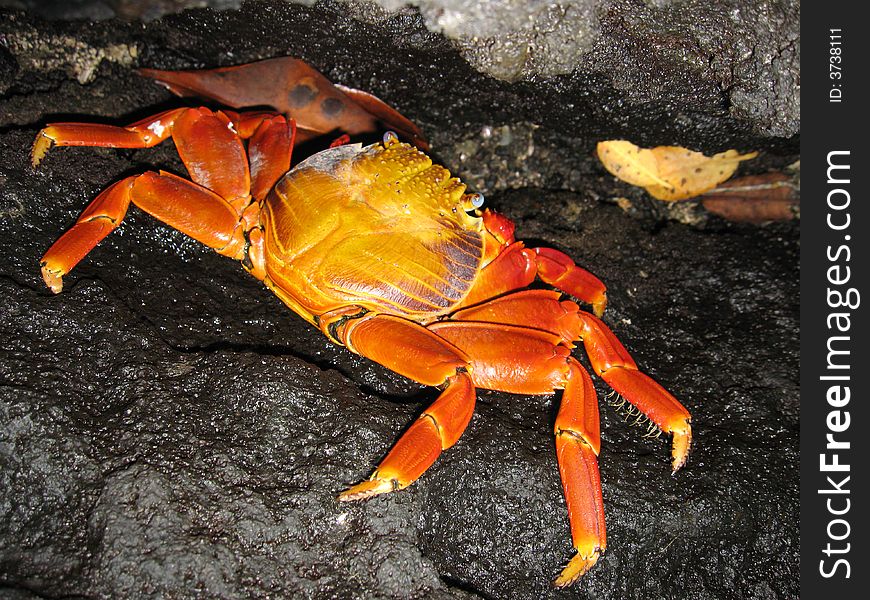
169, 428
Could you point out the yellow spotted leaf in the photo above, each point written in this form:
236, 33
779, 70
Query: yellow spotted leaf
669, 172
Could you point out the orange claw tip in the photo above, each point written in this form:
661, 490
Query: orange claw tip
680, 449
41, 145
52, 279
368, 488
577, 567
599, 304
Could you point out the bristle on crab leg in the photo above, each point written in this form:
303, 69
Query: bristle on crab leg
614, 364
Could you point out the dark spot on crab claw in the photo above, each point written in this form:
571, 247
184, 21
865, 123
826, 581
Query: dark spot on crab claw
331, 107
301, 95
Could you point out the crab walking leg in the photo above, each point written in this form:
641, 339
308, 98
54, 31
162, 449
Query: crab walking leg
194, 210
97, 221
614, 364
412, 351
213, 153
215, 209
535, 309
269, 152
516, 266
557, 269
438, 428
578, 443
209, 143
541, 309
529, 361
206, 141
142, 134
287, 84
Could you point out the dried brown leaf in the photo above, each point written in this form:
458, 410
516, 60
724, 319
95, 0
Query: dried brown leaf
755, 199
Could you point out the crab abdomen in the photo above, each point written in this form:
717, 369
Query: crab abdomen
380, 227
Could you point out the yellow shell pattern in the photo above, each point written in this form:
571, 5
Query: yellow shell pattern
379, 227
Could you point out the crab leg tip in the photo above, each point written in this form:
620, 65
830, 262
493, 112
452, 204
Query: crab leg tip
577, 567
41, 145
52, 280
599, 304
681, 444
367, 489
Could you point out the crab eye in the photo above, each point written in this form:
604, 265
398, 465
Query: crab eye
390, 138
472, 201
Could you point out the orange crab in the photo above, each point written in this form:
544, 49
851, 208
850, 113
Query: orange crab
386, 254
